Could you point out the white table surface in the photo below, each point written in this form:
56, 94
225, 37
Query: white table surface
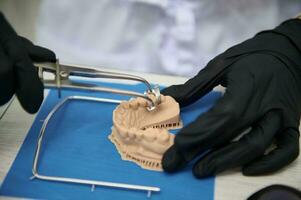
230, 185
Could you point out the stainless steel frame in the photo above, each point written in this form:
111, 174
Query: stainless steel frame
93, 183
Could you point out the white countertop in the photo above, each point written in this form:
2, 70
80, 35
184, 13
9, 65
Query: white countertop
230, 185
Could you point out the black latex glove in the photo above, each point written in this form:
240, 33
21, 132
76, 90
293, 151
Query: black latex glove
262, 77
17, 73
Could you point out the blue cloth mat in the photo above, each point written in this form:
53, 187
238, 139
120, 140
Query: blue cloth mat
76, 145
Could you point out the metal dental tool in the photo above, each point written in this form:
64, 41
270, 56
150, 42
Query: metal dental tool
62, 80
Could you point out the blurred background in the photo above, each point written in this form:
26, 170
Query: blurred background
175, 37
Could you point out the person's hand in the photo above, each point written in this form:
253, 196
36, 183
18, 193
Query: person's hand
17, 72
262, 77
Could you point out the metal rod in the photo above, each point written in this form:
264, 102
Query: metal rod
97, 183
148, 189
58, 78
109, 90
114, 75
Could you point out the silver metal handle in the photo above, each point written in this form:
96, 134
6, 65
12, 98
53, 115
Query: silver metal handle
62, 72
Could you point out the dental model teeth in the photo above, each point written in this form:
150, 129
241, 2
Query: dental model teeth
142, 136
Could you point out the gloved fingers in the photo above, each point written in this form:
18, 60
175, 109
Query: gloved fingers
24, 81
28, 87
6, 78
238, 153
219, 125
287, 150
196, 87
38, 53
173, 160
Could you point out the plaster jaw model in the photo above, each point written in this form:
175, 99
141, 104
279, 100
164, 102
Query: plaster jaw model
142, 136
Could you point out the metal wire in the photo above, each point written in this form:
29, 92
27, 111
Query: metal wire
93, 183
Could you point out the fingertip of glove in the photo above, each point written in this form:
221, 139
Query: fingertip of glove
42, 54
31, 101
206, 167
201, 171
38, 53
172, 161
51, 56
253, 170
34, 107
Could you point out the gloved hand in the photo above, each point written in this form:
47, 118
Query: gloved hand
262, 77
17, 72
